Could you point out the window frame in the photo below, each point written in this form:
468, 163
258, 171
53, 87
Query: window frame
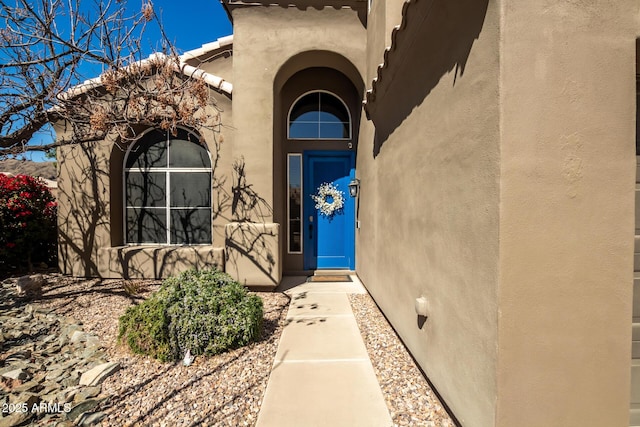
344, 104
166, 170
289, 157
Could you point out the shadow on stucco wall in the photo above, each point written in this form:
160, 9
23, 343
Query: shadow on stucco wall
158, 262
91, 218
163, 261
250, 239
441, 33
247, 205
92, 222
82, 186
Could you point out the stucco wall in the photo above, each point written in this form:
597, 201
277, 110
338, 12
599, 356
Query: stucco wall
377, 38
566, 212
512, 211
83, 205
258, 57
430, 195
218, 63
90, 213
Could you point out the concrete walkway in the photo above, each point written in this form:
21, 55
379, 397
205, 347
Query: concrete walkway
322, 375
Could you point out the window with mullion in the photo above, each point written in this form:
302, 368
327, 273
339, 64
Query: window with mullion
319, 115
168, 192
190, 207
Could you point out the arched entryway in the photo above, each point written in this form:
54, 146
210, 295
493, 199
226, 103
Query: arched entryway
317, 116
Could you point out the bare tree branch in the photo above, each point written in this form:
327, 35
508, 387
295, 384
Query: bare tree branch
46, 45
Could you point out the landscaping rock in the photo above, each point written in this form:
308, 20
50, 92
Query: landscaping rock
16, 374
15, 419
87, 393
18, 355
96, 375
78, 336
68, 395
42, 357
30, 284
92, 342
82, 407
69, 382
29, 398
90, 419
31, 386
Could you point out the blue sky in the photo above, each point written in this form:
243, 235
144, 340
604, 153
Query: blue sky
188, 24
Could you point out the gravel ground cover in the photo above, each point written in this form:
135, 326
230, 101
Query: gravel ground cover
225, 390
410, 399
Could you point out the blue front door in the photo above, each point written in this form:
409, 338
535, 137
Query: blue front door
329, 241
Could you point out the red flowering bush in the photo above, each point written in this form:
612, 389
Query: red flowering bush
28, 230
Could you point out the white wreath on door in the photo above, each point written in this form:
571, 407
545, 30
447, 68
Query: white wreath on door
327, 191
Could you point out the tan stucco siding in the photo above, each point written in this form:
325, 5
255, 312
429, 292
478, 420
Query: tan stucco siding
144, 262
376, 38
91, 211
566, 212
221, 65
512, 211
429, 205
83, 205
259, 55
220, 144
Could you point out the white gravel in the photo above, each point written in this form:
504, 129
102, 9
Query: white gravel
410, 399
225, 390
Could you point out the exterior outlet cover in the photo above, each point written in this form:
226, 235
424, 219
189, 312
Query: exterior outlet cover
421, 306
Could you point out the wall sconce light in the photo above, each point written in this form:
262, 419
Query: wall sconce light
422, 310
354, 187
421, 306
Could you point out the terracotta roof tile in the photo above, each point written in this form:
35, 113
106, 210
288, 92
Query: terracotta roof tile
208, 48
184, 68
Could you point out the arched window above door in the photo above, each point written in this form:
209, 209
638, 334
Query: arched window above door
319, 115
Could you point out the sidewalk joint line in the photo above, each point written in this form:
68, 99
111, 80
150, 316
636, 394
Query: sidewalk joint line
324, 292
321, 360
316, 316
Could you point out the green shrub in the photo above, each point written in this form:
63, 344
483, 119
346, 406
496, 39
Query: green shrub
145, 329
206, 312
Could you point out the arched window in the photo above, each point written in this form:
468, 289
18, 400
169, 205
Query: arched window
319, 115
168, 190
